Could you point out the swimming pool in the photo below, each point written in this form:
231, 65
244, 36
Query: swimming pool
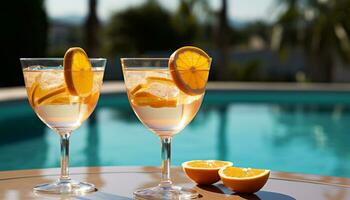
291, 131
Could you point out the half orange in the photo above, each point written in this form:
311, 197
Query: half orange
78, 73
204, 172
244, 180
189, 67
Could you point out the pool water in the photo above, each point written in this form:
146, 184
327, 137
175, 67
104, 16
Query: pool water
305, 132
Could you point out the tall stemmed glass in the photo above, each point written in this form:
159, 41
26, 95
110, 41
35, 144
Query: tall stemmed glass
164, 109
51, 97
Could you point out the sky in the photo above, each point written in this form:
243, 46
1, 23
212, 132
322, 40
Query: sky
244, 10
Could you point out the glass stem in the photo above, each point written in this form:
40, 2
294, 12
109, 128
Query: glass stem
65, 156
166, 153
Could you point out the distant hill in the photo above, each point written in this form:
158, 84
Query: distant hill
78, 19
69, 19
239, 24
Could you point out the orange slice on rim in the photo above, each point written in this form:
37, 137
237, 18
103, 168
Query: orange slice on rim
244, 180
78, 73
204, 172
189, 67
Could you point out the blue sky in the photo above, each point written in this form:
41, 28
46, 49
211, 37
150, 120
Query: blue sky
246, 10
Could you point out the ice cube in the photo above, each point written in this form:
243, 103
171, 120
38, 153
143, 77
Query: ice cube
30, 78
163, 90
98, 77
158, 73
36, 67
134, 78
51, 79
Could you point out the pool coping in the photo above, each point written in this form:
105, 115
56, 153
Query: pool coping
14, 93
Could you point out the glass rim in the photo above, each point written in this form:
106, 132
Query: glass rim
147, 59
126, 59
57, 59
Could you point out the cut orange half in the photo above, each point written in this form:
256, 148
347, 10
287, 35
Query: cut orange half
244, 180
78, 73
204, 172
189, 68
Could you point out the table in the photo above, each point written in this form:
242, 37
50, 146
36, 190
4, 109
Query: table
118, 183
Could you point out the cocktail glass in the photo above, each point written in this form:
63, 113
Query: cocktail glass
165, 110
60, 110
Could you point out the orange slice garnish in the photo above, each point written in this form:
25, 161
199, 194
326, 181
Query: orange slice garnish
141, 97
204, 172
48, 96
189, 67
244, 180
31, 96
152, 79
38, 96
137, 88
78, 73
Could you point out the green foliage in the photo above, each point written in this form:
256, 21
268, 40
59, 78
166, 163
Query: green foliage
247, 71
150, 28
321, 28
73, 38
241, 36
141, 29
24, 34
185, 23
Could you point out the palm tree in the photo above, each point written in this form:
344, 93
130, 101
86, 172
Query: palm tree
321, 29
92, 27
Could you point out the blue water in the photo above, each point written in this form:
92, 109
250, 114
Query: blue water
304, 132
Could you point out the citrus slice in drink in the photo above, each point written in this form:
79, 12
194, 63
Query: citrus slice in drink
189, 68
152, 79
78, 73
38, 96
144, 98
149, 81
244, 180
47, 96
204, 172
157, 96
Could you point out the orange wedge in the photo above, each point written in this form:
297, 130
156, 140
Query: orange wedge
78, 73
162, 80
40, 96
137, 88
244, 180
204, 172
189, 67
143, 98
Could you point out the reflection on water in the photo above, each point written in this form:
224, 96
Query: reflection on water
284, 136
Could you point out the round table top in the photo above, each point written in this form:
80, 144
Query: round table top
118, 183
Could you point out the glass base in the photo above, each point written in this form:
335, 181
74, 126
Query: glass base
68, 187
165, 193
